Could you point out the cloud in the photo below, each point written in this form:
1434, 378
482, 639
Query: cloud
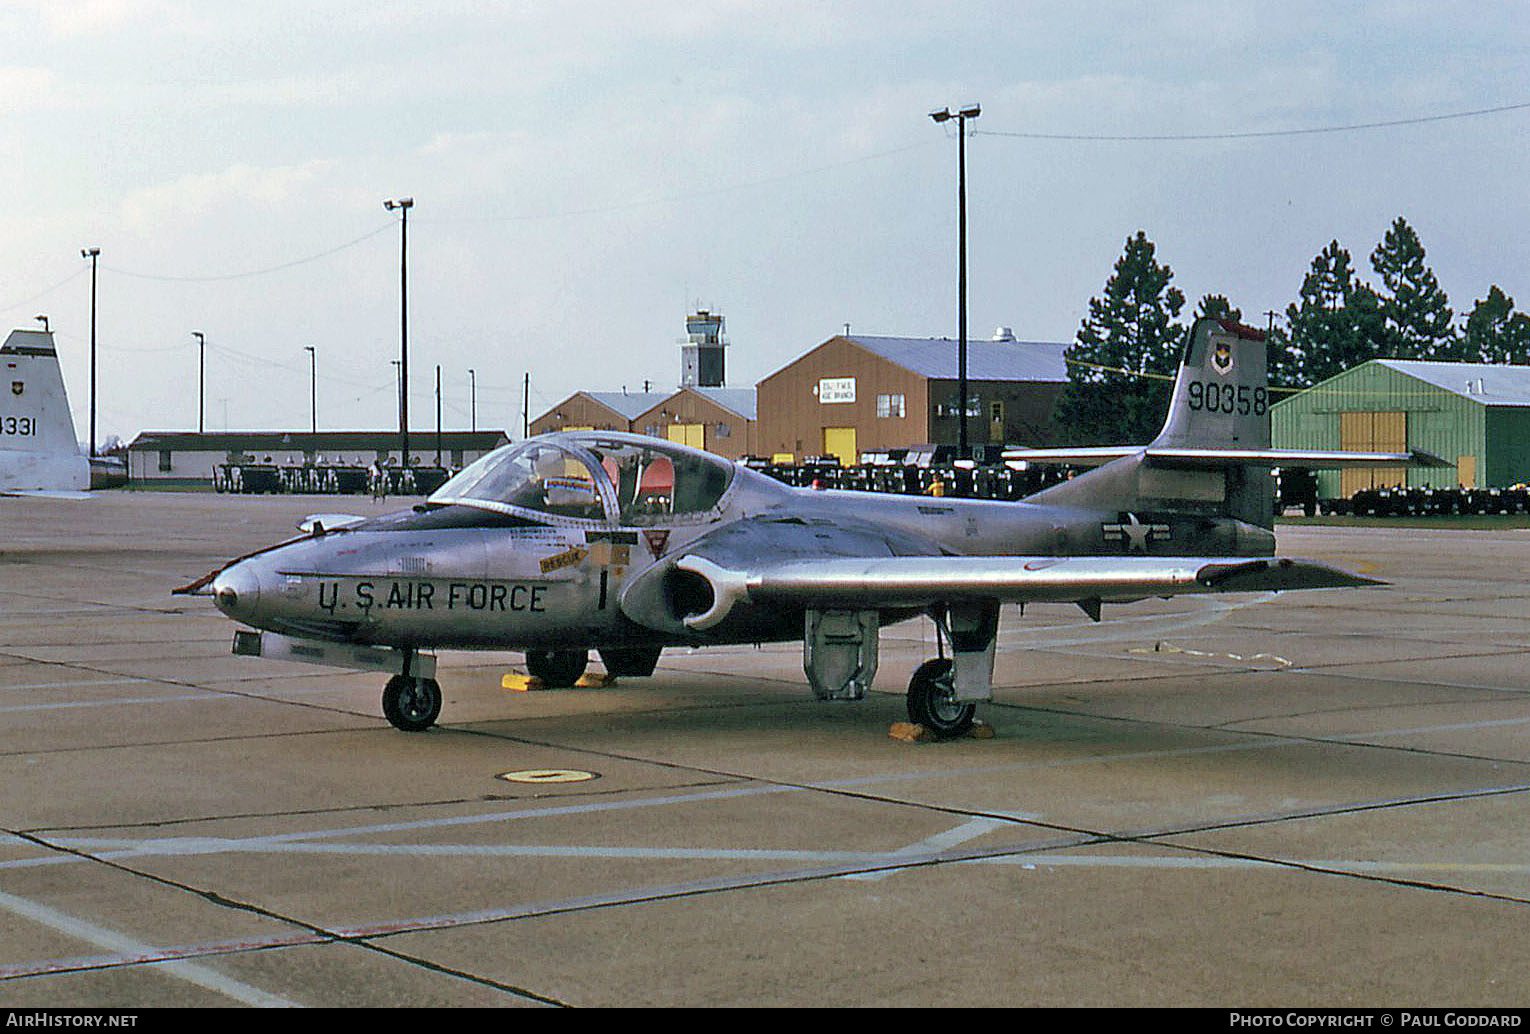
74, 18
161, 208
24, 88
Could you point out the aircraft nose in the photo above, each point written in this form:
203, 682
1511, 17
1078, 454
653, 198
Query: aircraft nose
236, 591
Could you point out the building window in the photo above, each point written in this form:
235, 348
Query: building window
724, 431
164, 461
951, 409
890, 406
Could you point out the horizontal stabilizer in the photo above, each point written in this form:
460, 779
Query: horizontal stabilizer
1316, 459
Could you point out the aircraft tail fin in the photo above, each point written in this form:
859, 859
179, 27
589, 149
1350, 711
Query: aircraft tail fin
1221, 396
1212, 455
1221, 404
38, 450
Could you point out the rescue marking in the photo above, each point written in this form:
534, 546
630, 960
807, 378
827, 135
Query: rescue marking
568, 558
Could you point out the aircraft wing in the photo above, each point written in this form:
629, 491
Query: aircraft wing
905, 581
1318, 459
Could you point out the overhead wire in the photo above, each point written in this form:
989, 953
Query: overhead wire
252, 272
1254, 134
45, 292
682, 196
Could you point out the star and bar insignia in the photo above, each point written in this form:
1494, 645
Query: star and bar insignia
1134, 534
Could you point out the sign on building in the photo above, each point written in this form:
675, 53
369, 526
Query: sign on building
836, 389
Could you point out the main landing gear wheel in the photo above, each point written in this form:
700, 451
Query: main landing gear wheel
558, 669
411, 704
932, 701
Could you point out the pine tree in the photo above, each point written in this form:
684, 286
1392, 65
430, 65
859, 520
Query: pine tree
1417, 312
1338, 323
1218, 307
1130, 331
1495, 333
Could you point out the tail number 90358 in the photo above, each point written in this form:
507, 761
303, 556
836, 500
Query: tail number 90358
1228, 398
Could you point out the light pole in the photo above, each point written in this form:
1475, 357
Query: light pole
473, 398
313, 388
403, 205
397, 383
43, 319
201, 374
945, 115
93, 254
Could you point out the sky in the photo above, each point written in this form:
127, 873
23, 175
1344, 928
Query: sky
584, 174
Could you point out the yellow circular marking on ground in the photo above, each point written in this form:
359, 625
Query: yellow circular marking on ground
548, 775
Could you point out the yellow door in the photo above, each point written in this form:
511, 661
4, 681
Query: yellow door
1466, 471
1372, 432
840, 442
688, 434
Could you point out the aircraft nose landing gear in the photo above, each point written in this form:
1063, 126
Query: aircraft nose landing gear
411, 704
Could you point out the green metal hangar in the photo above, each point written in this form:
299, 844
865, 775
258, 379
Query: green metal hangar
1474, 416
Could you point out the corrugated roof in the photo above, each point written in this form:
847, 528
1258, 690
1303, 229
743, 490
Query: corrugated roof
738, 400
305, 441
1484, 383
987, 360
628, 405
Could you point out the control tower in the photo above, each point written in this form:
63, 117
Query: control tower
701, 353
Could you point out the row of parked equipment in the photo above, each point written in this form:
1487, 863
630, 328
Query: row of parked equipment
985, 481
1428, 502
270, 478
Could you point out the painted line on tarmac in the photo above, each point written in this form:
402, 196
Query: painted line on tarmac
46, 967
124, 681
638, 895
955, 837
1496, 723
102, 937
1165, 862
848, 865
191, 847
122, 702
119, 848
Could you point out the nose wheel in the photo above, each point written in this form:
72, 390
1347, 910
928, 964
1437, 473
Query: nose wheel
411, 704
932, 701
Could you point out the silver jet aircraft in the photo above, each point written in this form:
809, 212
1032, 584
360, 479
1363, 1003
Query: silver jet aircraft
626, 544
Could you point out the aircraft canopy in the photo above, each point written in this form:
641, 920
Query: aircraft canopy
651, 481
